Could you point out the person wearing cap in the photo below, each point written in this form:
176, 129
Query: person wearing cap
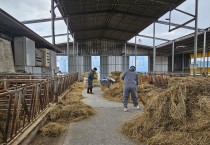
130, 79
90, 80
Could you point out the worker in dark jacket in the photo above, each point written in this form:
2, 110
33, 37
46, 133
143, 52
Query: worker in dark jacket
90, 80
130, 78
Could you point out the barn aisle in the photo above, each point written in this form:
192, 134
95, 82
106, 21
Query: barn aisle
102, 128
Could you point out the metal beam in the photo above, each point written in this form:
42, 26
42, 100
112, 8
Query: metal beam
185, 12
172, 68
67, 33
154, 38
163, 4
135, 50
52, 22
204, 50
77, 59
102, 28
125, 56
174, 24
112, 11
73, 53
183, 62
196, 38
41, 20
57, 35
103, 38
154, 53
179, 26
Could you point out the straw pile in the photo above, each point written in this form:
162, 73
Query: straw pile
115, 92
145, 92
52, 129
85, 74
179, 115
115, 75
69, 108
74, 111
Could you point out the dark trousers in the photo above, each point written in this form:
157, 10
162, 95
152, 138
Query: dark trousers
90, 86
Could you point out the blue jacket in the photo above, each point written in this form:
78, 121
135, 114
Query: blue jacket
130, 78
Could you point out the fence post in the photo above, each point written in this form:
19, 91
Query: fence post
55, 89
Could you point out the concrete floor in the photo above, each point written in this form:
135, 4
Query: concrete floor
104, 127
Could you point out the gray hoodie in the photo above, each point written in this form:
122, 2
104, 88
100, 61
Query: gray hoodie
130, 78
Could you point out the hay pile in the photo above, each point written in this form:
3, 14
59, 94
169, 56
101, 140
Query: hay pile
85, 74
52, 129
69, 108
145, 92
179, 115
115, 92
116, 76
73, 111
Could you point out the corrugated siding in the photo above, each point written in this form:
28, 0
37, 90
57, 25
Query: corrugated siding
100, 47
178, 58
85, 63
115, 63
131, 51
112, 63
104, 66
161, 64
81, 64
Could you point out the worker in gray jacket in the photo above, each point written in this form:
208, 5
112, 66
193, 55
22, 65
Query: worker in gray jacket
90, 80
130, 78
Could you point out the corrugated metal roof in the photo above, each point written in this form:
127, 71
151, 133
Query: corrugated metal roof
13, 28
187, 42
117, 20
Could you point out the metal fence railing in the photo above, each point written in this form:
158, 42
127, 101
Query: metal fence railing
23, 99
159, 79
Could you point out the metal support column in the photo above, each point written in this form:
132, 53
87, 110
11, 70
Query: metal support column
53, 21
172, 69
207, 72
115, 63
77, 57
154, 53
125, 57
78, 68
207, 64
196, 38
67, 23
135, 50
182, 62
73, 53
204, 51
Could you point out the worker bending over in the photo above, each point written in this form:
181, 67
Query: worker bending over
130, 79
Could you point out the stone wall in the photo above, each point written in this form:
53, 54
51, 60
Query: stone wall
6, 57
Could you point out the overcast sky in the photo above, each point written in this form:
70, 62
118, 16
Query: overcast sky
35, 9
